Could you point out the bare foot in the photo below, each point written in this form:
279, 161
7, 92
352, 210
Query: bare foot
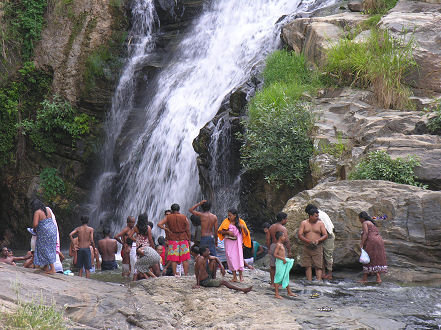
50, 272
379, 281
293, 294
241, 278
278, 297
234, 280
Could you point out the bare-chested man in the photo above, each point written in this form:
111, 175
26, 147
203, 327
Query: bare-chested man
107, 248
85, 240
208, 225
205, 271
281, 220
312, 232
7, 257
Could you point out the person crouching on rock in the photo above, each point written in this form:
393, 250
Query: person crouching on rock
205, 271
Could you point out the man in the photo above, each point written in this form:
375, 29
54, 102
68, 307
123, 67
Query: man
205, 271
208, 225
177, 230
328, 244
281, 220
107, 248
85, 241
7, 257
313, 233
128, 231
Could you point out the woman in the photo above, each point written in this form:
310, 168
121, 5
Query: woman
147, 256
236, 233
46, 245
373, 244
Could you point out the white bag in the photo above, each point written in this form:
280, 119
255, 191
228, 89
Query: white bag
364, 257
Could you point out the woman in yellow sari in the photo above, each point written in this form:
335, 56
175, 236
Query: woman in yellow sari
235, 232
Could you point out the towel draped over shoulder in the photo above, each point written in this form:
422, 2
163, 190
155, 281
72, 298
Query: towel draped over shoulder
245, 233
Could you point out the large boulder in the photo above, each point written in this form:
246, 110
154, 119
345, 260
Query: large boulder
421, 22
412, 230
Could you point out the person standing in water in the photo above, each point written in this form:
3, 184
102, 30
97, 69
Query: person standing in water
208, 225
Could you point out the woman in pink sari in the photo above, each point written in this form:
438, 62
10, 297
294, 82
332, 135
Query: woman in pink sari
235, 232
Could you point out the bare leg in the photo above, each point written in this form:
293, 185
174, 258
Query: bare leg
234, 276
364, 279
87, 273
309, 273
378, 278
174, 264
185, 264
272, 274
329, 276
51, 269
156, 270
232, 286
290, 293
80, 272
213, 268
276, 291
241, 275
318, 274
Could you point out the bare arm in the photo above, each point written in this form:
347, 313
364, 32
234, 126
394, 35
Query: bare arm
120, 235
71, 235
323, 232
35, 220
162, 223
215, 228
219, 263
365, 234
268, 239
91, 239
278, 253
301, 234
188, 230
287, 243
192, 209
97, 259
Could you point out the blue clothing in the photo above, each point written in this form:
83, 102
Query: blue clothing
84, 258
109, 265
208, 241
46, 245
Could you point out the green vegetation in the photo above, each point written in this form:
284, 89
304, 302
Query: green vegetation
334, 149
276, 140
381, 7
380, 63
433, 112
378, 165
35, 316
51, 183
25, 23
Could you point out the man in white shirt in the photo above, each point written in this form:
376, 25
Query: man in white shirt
328, 244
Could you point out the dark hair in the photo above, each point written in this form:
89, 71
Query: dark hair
281, 216
36, 205
106, 231
363, 215
266, 225
195, 249
236, 219
202, 249
195, 220
167, 211
278, 234
150, 224
312, 211
161, 240
175, 207
309, 207
206, 206
142, 224
129, 241
84, 219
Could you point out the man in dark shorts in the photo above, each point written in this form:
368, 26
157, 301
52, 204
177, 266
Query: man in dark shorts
177, 231
85, 240
208, 225
281, 220
312, 232
205, 271
107, 248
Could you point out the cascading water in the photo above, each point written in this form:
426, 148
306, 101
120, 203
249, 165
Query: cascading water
217, 55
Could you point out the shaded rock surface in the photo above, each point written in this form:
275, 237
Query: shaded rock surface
412, 230
169, 302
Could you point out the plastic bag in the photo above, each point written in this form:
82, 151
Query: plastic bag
364, 257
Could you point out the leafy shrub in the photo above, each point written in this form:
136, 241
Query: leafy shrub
52, 184
433, 112
378, 165
380, 63
276, 138
56, 120
381, 7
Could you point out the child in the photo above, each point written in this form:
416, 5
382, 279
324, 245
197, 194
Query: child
85, 240
283, 266
125, 252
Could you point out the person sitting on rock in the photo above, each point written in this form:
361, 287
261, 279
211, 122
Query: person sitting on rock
7, 257
205, 272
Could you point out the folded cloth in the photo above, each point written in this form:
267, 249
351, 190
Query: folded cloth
282, 271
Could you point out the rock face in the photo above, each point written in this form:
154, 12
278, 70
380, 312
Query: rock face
350, 120
412, 230
422, 22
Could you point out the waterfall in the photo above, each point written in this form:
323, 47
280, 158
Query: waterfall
217, 54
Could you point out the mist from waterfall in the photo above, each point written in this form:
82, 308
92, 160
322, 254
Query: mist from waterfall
218, 54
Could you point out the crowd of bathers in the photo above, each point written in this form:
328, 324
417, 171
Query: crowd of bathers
224, 247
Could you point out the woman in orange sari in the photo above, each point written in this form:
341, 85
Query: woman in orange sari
235, 232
